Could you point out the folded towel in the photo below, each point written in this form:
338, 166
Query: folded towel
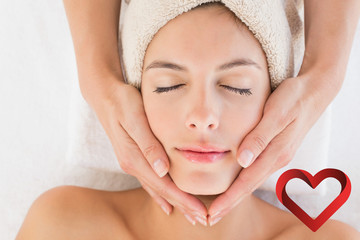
278, 25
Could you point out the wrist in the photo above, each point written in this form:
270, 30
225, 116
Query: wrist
100, 87
322, 84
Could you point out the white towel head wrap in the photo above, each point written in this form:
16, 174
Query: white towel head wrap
277, 28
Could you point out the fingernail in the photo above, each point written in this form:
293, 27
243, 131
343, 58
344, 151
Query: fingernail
193, 222
165, 210
160, 168
199, 215
216, 214
214, 221
200, 220
245, 158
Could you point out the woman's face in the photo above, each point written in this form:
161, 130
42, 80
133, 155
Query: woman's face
196, 52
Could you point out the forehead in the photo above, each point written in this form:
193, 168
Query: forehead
204, 35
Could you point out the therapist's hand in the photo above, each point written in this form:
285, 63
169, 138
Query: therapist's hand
119, 108
289, 113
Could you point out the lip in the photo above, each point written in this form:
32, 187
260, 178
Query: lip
201, 154
203, 148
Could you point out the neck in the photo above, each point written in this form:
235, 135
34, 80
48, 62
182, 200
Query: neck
241, 220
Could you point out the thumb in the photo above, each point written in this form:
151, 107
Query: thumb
257, 140
139, 130
135, 123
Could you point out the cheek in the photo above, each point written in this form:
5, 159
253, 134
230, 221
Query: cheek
161, 118
241, 120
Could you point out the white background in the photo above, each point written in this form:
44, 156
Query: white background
37, 69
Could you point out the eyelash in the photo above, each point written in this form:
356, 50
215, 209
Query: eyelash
241, 91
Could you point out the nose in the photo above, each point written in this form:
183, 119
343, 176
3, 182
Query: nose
203, 114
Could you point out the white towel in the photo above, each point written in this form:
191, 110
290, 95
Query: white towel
90, 147
276, 24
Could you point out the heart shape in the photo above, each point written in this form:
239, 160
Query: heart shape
313, 181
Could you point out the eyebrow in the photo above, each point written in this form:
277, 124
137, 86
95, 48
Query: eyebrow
226, 66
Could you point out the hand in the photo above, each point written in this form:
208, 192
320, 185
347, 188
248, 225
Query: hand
119, 108
289, 113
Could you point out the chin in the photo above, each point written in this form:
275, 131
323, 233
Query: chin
202, 191
202, 183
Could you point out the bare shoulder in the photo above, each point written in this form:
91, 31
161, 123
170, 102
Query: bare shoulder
332, 229
70, 212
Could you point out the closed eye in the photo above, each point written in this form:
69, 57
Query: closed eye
166, 89
241, 91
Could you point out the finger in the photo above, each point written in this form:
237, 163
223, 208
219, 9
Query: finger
137, 127
189, 217
258, 139
184, 201
135, 165
277, 154
244, 184
165, 206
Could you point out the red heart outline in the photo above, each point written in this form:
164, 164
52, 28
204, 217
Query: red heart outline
313, 181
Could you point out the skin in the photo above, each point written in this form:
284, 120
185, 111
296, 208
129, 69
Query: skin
70, 212
289, 112
183, 116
